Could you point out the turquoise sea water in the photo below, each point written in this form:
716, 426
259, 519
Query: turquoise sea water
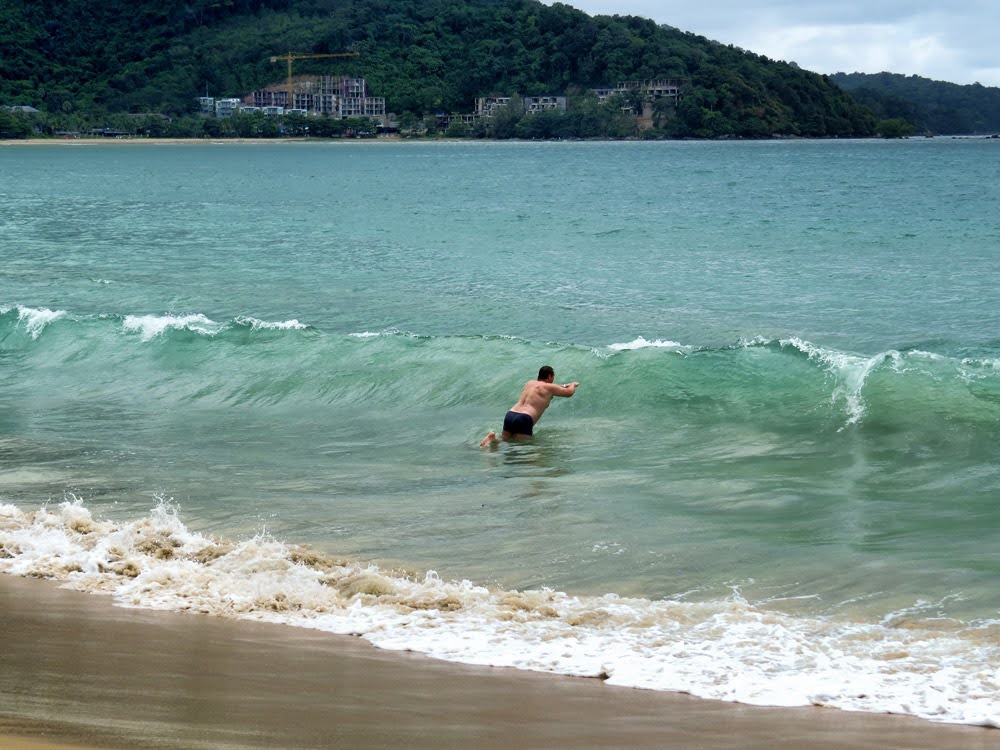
777, 482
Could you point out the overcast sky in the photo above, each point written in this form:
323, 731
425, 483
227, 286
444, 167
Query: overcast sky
950, 40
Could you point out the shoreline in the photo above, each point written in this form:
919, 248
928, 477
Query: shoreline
78, 673
400, 139
174, 141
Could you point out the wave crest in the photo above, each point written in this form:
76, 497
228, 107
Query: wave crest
150, 326
34, 319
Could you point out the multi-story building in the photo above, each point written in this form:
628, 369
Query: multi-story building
362, 107
347, 96
332, 96
658, 88
487, 105
227, 107
541, 103
269, 98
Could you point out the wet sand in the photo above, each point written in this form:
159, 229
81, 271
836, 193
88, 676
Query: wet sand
77, 672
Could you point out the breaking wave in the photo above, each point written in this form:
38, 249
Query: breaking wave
908, 662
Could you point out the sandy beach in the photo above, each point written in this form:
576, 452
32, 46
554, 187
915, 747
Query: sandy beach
77, 672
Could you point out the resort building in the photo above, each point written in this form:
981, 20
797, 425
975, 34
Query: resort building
226, 107
331, 96
347, 96
209, 106
534, 104
659, 88
487, 105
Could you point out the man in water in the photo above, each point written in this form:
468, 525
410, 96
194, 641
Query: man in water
535, 399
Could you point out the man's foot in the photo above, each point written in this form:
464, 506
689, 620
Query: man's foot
489, 440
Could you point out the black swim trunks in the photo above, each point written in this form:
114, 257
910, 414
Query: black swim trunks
516, 423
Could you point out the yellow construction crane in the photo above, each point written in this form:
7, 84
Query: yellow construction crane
288, 57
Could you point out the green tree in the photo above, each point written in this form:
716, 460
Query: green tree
895, 127
12, 126
542, 126
295, 125
934, 106
457, 129
505, 119
408, 122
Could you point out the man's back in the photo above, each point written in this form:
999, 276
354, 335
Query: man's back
535, 398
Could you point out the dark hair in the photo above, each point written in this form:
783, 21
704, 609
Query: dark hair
546, 372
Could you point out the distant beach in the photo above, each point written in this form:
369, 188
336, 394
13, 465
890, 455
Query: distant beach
168, 141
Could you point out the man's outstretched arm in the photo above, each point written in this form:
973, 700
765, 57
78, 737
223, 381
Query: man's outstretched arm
562, 390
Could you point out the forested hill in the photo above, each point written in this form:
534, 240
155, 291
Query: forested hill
423, 56
934, 106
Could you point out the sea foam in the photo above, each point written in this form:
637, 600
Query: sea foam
641, 343
265, 325
35, 320
151, 326
728, 650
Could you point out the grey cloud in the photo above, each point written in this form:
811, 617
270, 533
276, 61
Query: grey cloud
952, 41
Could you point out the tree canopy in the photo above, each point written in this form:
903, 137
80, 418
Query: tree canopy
423, 56
929, 106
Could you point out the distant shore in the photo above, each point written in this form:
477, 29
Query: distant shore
397, 139
77, 672
172, 141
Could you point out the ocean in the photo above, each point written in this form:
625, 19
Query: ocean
250, 380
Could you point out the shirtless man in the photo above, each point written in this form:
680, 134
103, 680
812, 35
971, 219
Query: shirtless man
535, 399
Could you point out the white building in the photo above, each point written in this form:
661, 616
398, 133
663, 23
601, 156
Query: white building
226, 107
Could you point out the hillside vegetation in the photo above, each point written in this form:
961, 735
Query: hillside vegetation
423, 56
83, 59
930, 106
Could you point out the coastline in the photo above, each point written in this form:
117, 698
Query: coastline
77, 672
164, 141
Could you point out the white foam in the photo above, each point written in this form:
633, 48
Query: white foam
641, 343
374, 334
851, 371
728, 650
35, 319
151, 326
264, 325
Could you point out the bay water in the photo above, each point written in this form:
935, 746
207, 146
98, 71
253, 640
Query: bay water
250, 379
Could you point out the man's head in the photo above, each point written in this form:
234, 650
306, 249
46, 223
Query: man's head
547, 374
